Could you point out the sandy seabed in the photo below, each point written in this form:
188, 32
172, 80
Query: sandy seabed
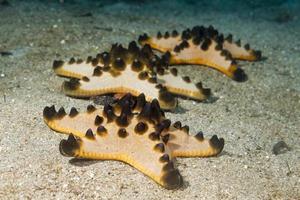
252, 116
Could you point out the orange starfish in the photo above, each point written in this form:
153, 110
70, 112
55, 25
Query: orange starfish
133, 131
124, 70
203, 46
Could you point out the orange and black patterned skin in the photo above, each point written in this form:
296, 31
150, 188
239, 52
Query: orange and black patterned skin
204, 46
133, 131
133, 69
134, 125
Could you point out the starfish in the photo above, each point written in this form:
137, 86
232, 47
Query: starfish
124, 70
133, 131
203, 46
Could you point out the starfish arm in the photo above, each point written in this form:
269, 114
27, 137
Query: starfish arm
75, 122
161, 42
201, 52
73, 69
183, 85
241, 52
92, 86
183, 144
203, 46
167, 42
126, 81
207, 53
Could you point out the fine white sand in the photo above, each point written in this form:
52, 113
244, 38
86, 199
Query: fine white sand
252, 116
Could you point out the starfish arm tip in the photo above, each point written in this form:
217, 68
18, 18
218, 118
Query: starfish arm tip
49, 113
172, 180
217, 143
57, 64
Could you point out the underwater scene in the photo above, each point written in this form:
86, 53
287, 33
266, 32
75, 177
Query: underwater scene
150, 99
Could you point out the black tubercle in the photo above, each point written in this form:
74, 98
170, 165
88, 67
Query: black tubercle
71, 61
197, 40
79, 61
152, 80
154, 136
172, 179
186, 34
186, 129
238, 43
165, 138
145, 113
104, 58
217, 143
61, 113
174, 33
122, 120
151, 112
95, 61
98, 120
184, 44
247, 46
143, 37
166, 35
186, 79
174, 71
133, 48
122, 133
90, 108
85, 79
199, 136
143, 75
136, 65
165, 124
159, 35
108, 112
160, 147
73, 112
229, 38
205, 44
119, 64
49, 113
89, 134
177, 125
101, 131
140, 128
97, 71
89, 59
164, 158
165, 59
140, 102
57, 64
169, 166
68, 147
